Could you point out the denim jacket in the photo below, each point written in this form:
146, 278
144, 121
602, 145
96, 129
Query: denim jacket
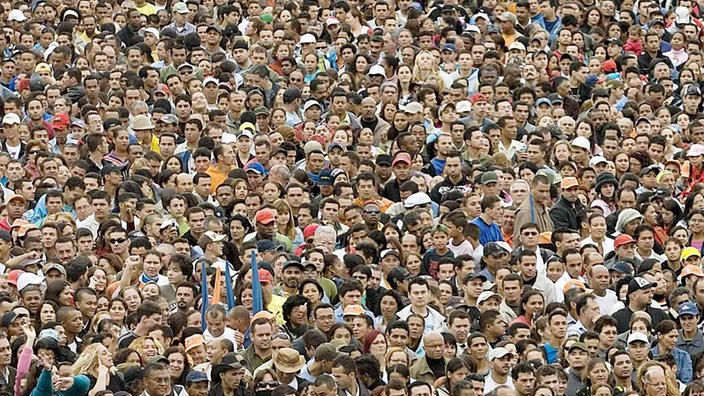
684, 363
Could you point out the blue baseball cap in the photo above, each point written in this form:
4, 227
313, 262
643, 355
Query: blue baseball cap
449, 47
255, 167
196, 376
688, 308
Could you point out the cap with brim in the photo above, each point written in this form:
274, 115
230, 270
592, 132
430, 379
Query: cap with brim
639, 283
353, 310
692, 270
578, 345
498, 353
494, 249
9, 317
196, 376
636, 336
53, 266
622, 267
384, 160
159, 359
310, 103
230, 361
416, 199
688, 308
485, 295
489, 177
293, 263
288, 361
623, 239
689, 252
472, 276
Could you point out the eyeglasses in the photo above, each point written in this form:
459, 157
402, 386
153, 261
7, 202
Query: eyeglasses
185, 72
280, 336
376, 212
267, 384
530, 233
296, 79
118, 240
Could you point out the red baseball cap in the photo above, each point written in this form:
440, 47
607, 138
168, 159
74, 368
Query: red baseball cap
61, 121
13, 275
402, 157
265, 216
623, 239
265, 276
309, 231
478, 97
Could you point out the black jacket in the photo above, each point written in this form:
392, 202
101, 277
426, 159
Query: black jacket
564, 214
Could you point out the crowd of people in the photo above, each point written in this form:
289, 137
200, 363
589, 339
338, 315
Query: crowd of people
351, 198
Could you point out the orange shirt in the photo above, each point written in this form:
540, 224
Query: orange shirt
216, 178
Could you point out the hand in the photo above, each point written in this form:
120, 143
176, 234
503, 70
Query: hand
28, 330
103, 370
63, 383
239, 337
45, 362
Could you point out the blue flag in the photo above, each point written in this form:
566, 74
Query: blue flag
228, 287
204, 296
257, 301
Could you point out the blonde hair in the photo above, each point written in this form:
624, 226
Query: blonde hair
87, 362
391, 351
434, 70
138, 345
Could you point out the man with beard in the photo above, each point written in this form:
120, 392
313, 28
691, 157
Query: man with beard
500, 362
454, 178
185, 295
291, 276
369, 119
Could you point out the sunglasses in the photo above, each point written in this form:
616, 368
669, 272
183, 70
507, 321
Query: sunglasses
267, 384
118, 240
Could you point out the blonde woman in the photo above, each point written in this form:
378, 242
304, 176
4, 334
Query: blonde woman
286, 224
95, 362
426, 68
393, 356
148, 347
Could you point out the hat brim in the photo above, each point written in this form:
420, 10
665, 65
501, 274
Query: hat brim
290, 369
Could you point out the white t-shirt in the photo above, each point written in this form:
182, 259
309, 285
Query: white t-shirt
490, 384
14, 151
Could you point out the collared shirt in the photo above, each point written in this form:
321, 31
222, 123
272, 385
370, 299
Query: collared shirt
252, 360
684, 363
693, 346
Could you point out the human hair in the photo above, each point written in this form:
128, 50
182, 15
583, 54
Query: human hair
87, 361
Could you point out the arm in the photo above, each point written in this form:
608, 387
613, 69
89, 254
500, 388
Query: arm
25, 359
44, 386
126, 279
685, 371
102, 380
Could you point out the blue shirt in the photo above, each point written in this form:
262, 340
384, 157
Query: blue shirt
488, 232
684, 364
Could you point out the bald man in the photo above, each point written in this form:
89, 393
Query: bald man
599, 281
432, 365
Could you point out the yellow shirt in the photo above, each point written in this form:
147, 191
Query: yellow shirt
147, 9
